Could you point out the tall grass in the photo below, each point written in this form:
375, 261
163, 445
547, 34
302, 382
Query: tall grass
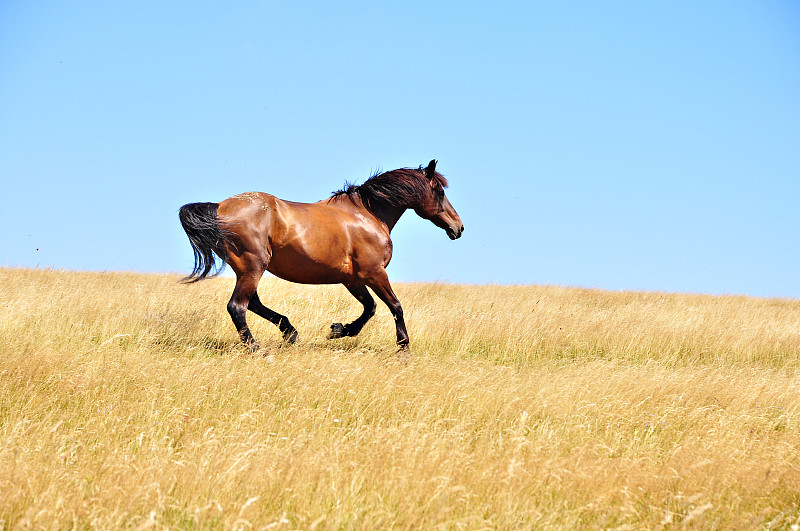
127, 402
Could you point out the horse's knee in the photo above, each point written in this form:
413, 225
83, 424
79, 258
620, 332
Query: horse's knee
397, 311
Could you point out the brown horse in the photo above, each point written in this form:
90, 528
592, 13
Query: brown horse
344, 239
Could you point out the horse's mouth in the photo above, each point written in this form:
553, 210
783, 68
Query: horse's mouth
453, 234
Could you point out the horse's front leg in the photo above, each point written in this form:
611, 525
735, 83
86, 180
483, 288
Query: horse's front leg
380, 285
361, 293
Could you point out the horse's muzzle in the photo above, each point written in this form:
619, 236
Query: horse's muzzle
456, 233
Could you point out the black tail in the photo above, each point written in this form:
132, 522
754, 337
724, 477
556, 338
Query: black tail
207, 237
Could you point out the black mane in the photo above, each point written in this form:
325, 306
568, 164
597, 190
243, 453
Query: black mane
396, 188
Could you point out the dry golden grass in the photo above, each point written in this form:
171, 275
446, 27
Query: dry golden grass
126, 402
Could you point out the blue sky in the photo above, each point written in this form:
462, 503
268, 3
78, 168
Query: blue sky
618, 145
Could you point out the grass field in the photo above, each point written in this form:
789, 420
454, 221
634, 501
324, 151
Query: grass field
126, 402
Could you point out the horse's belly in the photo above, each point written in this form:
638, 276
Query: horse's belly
304, 269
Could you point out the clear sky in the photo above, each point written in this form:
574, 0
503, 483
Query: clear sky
618, 145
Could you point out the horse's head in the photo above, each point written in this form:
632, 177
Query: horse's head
436, 207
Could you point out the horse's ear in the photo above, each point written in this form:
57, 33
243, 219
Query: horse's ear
430, 171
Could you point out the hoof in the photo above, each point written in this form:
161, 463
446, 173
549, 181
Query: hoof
337, 331
253, 346
290, 336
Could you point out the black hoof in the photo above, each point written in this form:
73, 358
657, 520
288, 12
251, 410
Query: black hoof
290, 336
253, 346
337, 331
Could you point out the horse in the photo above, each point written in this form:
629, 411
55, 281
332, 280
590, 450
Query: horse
345, 239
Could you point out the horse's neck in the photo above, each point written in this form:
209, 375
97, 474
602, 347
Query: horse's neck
389, 216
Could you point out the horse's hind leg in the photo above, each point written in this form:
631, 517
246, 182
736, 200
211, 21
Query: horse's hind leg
360, 292
289, 332
242, 295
